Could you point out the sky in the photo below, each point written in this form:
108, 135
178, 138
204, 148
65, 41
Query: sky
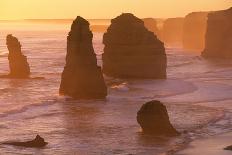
104, 9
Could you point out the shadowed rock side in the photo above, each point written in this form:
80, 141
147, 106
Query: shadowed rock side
153, 119
151, 25
173, 31
82, 78
19, 67
36, 143
194, 31
219, 35
131, 51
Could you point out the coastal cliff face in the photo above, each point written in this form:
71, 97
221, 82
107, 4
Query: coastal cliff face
219, 35
152, 25
131, 51
194, 31
19, 67
173, 31
82, 78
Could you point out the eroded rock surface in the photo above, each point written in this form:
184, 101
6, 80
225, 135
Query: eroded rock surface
219, 35
19, 67
82, 78
153, 119
132, 51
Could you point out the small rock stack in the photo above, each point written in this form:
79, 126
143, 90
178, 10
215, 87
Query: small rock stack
153, 119
19, 67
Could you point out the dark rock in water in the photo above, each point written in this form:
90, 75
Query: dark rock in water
153, 119
19, 67
82, 78
228, 148
131, 51
37, 142
219, 35
173, 31
194, 31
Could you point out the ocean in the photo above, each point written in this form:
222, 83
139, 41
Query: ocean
197, 93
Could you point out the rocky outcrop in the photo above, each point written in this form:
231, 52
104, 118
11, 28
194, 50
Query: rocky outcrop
36, 143
131, 51
194, 31
173, 31
219, 35
19, 67
153, 119
152, 25
82, 78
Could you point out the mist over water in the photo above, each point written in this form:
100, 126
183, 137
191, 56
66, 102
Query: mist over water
29, 107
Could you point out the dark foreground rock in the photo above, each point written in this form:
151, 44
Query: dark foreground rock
219, 35
131, 51
82, 78
153, 119
194, 30
19, 67
37, 142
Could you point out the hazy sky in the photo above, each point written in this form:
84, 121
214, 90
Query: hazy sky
28, 9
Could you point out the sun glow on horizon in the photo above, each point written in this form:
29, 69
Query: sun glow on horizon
44, 9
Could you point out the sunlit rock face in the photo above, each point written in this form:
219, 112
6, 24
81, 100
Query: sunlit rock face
131, 51
152, 25
19, 67
153, 119
82, 78
194, 31
219, 35
173, 31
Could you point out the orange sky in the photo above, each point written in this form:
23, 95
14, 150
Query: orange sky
33, 9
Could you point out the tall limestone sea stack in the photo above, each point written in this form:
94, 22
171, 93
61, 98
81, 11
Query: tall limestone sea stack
219, 35
19, 67
82, 78
194, 30
132, 51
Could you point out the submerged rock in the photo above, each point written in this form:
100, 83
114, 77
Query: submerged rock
19, 67
131, 51
219, 35
173, 31
37, 142
194, 31
153, 119
82, 78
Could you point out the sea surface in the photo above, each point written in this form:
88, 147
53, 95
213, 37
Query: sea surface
197, 93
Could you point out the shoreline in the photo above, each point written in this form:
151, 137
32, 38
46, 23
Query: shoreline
213, 145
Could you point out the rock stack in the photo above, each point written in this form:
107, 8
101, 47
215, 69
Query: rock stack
219, 35
131, 51
153, 119
194, 31
173, 31
82, 78
19, 67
